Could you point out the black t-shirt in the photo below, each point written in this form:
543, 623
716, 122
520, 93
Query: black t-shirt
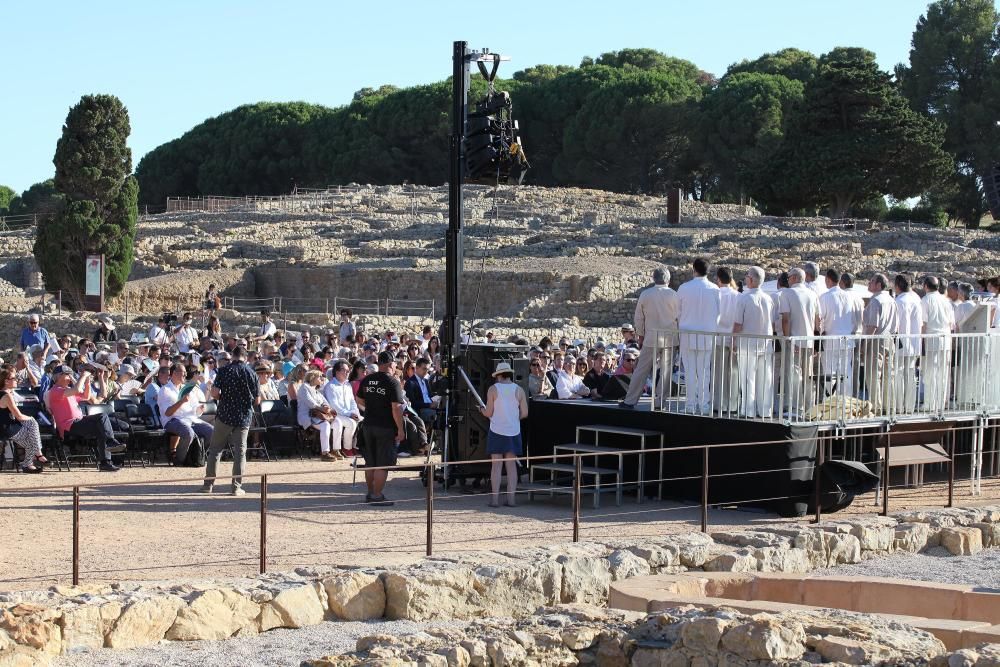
379, 391
593, 381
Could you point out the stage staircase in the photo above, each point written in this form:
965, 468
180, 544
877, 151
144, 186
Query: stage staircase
559, 476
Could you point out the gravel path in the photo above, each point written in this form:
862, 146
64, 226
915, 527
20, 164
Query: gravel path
937, 565
277, 647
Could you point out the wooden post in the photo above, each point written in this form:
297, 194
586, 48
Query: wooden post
704, 490
263, 524
76, 535
576, 498
429, 470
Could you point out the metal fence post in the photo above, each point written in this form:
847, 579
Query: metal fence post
76, 535
59, 303
429, 471
263, 524
576, 497
816, 479
885, 491
126, 307
335, 310
327, 306
704, 490
951, 468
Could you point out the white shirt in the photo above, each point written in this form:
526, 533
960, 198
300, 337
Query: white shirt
939, 318
754, 311
186, 414
185, 337
727, 308
341, 398
962, 310
818, 286
802, 307
911, 319
157, 335
267, 329
567, 385
657, 309
700, 303
839, 312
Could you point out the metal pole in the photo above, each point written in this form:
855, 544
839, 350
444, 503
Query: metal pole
816, 479
263, 524
885, 474
951, 468
576, 497
76, 535
126, 307
704, 490
430, 508
59, 304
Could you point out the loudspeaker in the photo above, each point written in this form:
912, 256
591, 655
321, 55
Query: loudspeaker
479, 362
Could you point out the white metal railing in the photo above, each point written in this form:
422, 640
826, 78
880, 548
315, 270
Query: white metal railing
830, 379
324, 305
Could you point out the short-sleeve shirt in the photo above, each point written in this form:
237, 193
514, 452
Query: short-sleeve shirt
882, 314
37, 337
802, 306
238, 389
65, 409
379, 391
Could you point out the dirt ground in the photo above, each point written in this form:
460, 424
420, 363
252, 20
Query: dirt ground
161, 528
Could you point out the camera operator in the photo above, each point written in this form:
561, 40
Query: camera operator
185, 335
159, 333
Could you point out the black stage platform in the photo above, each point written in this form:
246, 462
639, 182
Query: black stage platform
776, 474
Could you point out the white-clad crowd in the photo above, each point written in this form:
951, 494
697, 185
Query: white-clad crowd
743, 350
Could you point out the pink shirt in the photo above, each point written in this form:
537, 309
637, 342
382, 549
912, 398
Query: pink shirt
65, 409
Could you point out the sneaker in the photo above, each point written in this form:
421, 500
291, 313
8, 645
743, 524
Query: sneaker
238, 491
625, 406
205, 489
108, 466
327, 456
116, 448
404, 455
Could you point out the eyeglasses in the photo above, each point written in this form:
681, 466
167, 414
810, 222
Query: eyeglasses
536, 365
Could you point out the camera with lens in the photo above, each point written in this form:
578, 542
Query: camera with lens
169, 318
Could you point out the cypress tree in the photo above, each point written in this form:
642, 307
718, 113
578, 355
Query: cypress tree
99, 200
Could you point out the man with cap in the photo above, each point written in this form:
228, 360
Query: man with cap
63, 401
628, 336
34, 334
657, 309
105, 329
383, 400
236, 389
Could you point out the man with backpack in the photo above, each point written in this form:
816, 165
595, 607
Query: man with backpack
236, 389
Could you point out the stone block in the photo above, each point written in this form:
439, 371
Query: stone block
901, 596
215, 614
778, 588
911, 537
702, 635
740, 560
842, 549
34, 626
422, 596
145, 622
782, 559
85, 627
830, 592
981, 606
962, 540
355, 595
950, 631
989, 634
737, 586
585, 579
295, 607
766, 639
990, 532
519, 589
624, 564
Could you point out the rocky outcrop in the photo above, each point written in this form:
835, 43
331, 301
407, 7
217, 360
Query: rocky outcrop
582, 635
509, 583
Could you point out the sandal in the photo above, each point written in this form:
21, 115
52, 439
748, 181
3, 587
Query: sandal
31, 470
41, 459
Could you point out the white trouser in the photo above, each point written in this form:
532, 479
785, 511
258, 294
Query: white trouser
324, 435
756, 368
644, 368
698, 378
342, 432
725, 379
935, 370
905, 384
797, 377
838, 363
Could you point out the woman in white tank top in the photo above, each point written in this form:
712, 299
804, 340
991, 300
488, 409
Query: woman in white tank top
506, 406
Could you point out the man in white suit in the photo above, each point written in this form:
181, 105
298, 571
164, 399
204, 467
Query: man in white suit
656, 310
700, 305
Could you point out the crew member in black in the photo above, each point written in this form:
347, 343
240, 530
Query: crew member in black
382, 398
597, 378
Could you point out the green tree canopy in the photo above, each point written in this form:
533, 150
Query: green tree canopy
98, 208
954, 76
789, 63
855, 138
7, 195
743, 125
40, 198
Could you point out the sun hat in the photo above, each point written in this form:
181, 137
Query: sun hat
628, 327
126, 369
503, 367
106, 320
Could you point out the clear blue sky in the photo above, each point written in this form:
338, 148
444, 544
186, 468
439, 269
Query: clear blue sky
179, 62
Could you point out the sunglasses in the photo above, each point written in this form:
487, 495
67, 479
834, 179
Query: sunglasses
536, 365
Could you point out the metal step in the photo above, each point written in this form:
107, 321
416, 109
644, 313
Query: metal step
584, 448
571, 468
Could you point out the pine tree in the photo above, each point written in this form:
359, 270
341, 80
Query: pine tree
99, 207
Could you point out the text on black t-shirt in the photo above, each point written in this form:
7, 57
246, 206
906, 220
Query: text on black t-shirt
379, 391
